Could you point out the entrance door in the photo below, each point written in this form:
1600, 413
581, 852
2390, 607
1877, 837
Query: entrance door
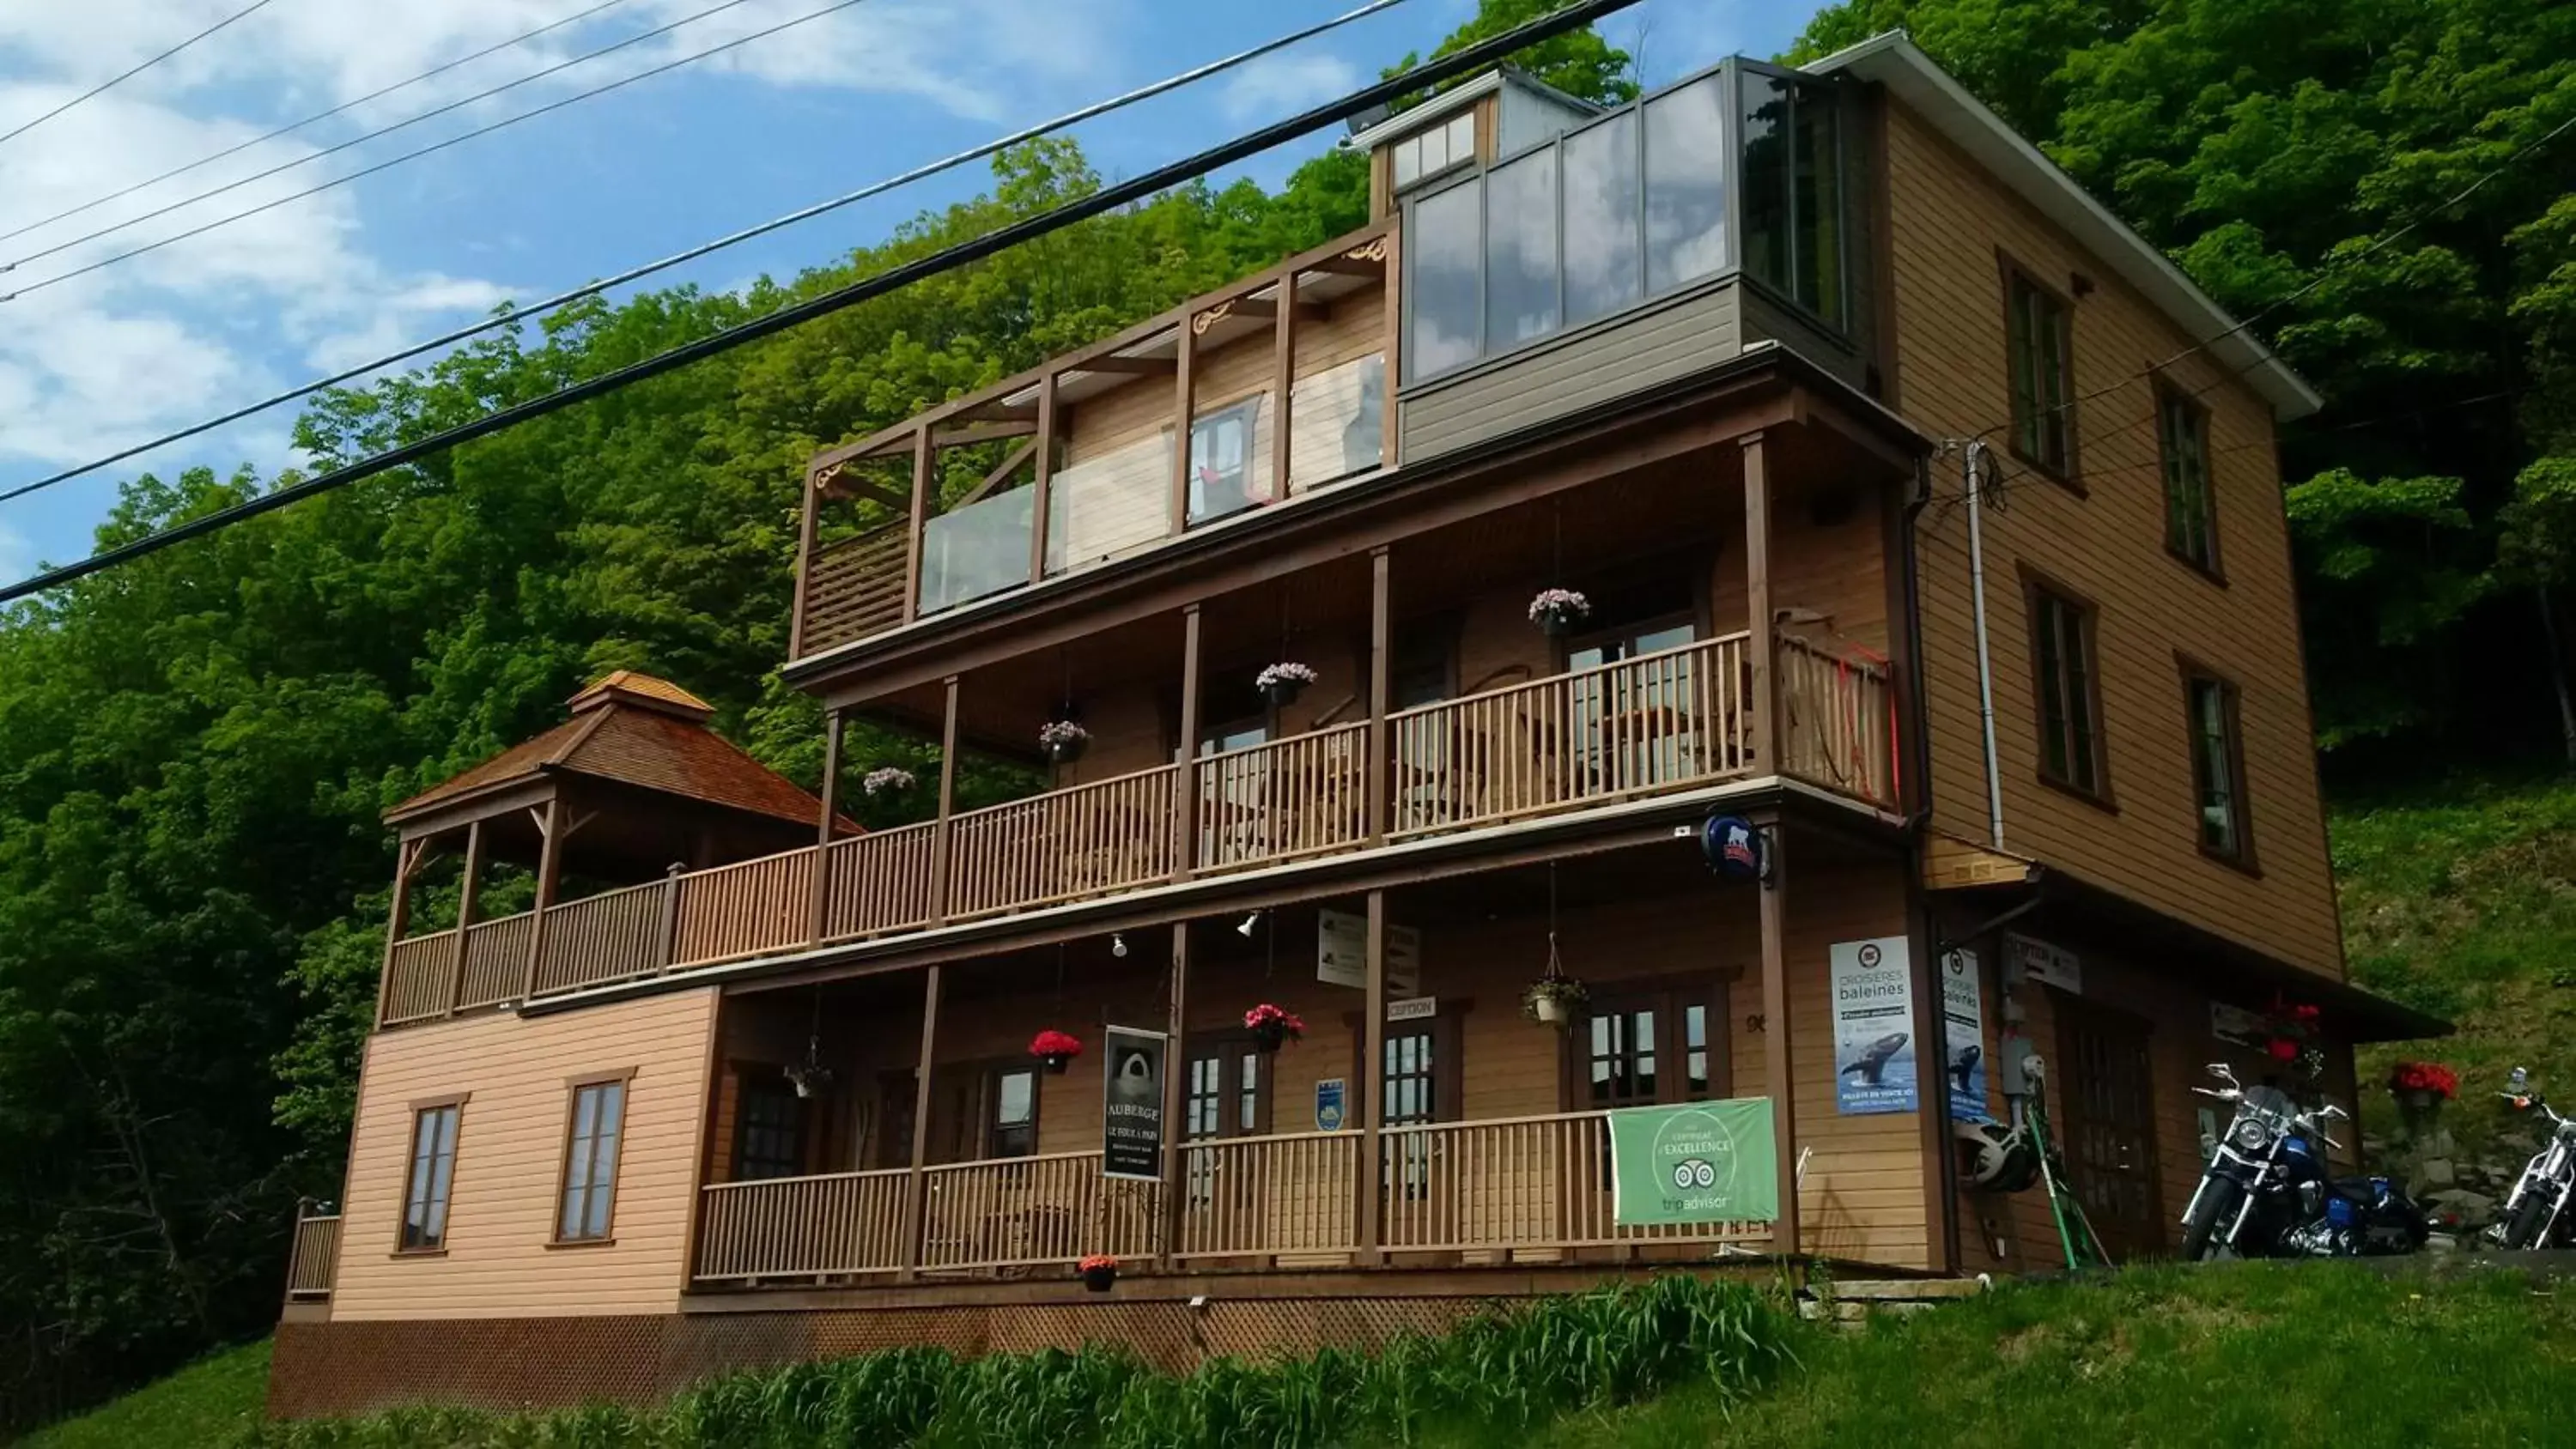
2107, 1097
1225, 1092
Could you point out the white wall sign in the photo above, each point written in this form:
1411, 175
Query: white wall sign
2050, 965
1341, 953
2236, 1024
1418, 1008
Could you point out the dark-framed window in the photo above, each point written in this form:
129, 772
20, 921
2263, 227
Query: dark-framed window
595, 1121
1650, 1042
1225, 1089
769, 1131
1793, 190
1221, 453
1011, 1112
432, 1174
2191, 513
2039, 329
2210, 705
2066, 678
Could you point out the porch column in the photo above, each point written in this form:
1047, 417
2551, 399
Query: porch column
815, 482
1184, 388
1372, 1086
1283, 367
1777, 1081
939, 864
1389, 449
1185, 780
408, 855
1381, 681
465, 902
1176, 1065
922, 456
831, 811
1041, 504
549, 873
915, 1205
1759, 654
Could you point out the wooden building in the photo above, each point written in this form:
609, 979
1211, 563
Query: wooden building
1927, 522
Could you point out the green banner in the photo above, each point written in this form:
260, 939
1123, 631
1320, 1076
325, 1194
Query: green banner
1706, 1162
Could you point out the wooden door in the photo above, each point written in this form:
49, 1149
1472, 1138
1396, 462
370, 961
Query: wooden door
2107, 1099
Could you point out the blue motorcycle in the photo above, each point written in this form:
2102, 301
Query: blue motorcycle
2267, 1191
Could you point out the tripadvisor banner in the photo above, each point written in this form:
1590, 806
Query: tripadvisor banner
1707, 1162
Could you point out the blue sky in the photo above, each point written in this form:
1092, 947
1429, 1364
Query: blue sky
99, 362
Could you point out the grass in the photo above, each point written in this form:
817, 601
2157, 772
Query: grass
2300, 1353
214, 1401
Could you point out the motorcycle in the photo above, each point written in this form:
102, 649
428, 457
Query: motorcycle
2536, 1215
2266, 1191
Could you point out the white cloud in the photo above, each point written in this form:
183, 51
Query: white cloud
17, 556
1285, 84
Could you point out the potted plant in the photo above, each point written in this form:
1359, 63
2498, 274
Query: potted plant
1056, 1049
1063, 740
1098, 1272
2288, 1032
1273, 1027
887, 780
1554, 1000
1281, 683
2420, 1089
1557, 611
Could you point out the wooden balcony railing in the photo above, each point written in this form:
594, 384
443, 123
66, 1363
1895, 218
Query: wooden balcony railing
837, 1225
1522, 1184
1271, 1196
1029, 1211
1303, 795
1066, 844
881, 882
418, 977
1658, 722
745, 909
496, 960
314, 1262
610, 937
1838, 720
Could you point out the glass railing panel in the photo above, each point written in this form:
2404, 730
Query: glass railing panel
1337, 423
980, 549
1104, 506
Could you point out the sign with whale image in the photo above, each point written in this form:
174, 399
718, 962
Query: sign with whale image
1873, 984
1963, 1021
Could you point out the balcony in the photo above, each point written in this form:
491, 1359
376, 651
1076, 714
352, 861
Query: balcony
314, 1261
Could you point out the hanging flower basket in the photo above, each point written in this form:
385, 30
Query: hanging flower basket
1557, 612
887, 780
1098, 1271
1281, 683
2289, 1036
2420, 1089
1554, 1001
1063, 740
1056, 1049
1272, 1027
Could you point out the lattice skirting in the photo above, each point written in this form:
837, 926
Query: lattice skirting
350, 1367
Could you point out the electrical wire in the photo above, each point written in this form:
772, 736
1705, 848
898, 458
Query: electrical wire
703, 249
1106, 199
375, 95
115, 80
382, 131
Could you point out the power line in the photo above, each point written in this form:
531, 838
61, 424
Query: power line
1107, 199
285, 166
375, 95
564, 299
119, 79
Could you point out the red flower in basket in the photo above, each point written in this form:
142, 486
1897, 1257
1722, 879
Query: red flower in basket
1270, 1026
1098, 1272
2431, 1077
2282, 1049
1055, 1048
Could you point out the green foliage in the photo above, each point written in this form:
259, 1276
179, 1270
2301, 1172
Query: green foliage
211, 1402
1502, 1375
1579, 62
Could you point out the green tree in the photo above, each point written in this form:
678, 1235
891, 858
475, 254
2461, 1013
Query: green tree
1579, 62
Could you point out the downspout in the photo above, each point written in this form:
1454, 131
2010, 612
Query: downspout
1974, 461
1918, 750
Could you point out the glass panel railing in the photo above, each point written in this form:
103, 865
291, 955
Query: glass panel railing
1337, 423
980, 549
1104, 506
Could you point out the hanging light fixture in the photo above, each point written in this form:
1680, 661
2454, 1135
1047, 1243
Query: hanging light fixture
1118, 944
811, 1077
1249, 922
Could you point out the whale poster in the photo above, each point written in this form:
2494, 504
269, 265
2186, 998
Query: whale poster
1874, 1044
1963, 1020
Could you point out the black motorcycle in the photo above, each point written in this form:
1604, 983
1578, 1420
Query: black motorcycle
2536, 1215
2267, 1194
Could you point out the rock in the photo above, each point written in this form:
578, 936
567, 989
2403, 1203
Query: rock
2437, 1172
2473, 1207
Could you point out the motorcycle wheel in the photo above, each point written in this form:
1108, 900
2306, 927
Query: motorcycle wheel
2522, 1230
2217, 1206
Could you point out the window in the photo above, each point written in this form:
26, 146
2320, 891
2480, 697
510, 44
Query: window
1418, 158
1409, 1081
589, 1199
1221, 445
769, 1131
2182, 435
1520, 251
1633, 1041
1012, 1130
2040, 336
1793, 191
2217, 767
433, 1171
2070, 696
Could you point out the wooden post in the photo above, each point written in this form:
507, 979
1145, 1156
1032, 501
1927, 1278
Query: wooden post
549, 873
1389, 454
1176, 1066
465, 901
407, 858
1372, 1088
922, 457
671, 914
815, 482
1381, 682
939, 863
915, 1207
1185, 780
1184, 390
1931, 1081
1777, 1079
833, 725
1759, 650
1044, 501
1283, 350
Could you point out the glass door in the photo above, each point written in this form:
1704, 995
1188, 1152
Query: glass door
1633, 728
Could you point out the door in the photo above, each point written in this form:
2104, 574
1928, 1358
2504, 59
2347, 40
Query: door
1633, 728
2107, 1099
1225, 1092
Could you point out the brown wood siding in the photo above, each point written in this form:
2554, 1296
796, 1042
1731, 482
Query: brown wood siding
509, 1163
1585, 368
1950, 222
1354, 327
